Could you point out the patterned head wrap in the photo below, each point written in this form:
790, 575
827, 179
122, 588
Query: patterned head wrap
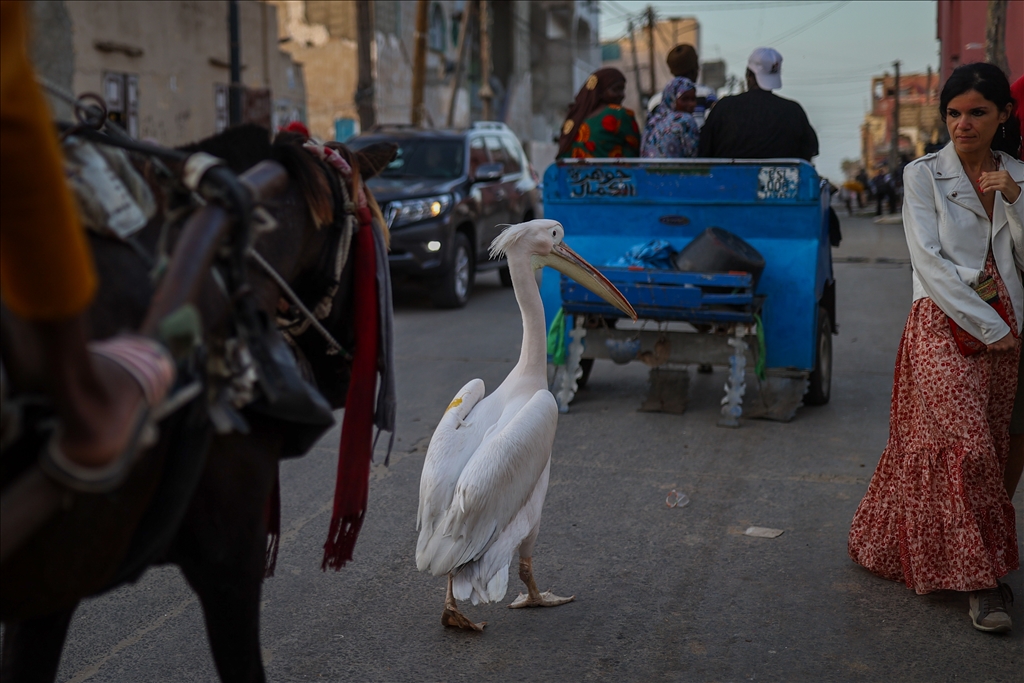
590, 96
676, 87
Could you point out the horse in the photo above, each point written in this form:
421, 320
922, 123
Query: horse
202, 501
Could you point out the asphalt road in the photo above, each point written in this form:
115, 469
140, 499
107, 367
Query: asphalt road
661, 594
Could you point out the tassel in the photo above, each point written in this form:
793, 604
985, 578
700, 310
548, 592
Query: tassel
356, 448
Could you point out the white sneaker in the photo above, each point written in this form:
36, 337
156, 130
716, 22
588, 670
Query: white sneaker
988, 609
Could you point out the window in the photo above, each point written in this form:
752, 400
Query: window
436, 38
442, 159
514, 163
498, 153
477, 155
121, 91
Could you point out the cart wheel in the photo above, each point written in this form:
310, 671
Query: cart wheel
586, 364
504, 276
820, 388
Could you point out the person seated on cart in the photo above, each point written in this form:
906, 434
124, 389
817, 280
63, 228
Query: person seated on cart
671, 131
682, 61
758, 124
597, 125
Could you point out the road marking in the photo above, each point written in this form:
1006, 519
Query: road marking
94, 668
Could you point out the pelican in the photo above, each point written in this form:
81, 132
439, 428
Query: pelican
486, 471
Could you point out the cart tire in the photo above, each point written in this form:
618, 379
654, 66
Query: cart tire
820, 389
505, 276
586, 364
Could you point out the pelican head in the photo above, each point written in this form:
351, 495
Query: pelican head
541, 240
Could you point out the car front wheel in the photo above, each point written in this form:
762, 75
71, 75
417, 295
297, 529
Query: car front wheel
453, 288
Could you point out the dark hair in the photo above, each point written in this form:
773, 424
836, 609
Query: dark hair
990, 81
682, 61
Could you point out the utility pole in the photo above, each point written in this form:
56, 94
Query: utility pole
486, 94
467, 10
650, 51
894, 151
636, 68
235, 91
364, 87
419, 64
995, 35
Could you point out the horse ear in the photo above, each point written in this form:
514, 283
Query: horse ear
374, 158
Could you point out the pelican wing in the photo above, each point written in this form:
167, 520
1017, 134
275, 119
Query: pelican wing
493, 487
450, 449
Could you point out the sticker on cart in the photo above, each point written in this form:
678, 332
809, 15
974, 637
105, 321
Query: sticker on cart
599, 182
777, 182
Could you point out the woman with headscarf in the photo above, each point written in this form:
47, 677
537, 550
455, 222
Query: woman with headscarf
671, 130
597, 124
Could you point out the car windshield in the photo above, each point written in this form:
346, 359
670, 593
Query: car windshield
441, 159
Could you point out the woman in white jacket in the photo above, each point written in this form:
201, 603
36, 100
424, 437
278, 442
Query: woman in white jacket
936, 514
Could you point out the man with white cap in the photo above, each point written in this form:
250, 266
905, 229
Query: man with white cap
757, 124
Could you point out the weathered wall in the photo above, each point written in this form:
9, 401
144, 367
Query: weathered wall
322, 37
564, 51
179, 51
52, 52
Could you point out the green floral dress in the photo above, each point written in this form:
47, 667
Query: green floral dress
611, 132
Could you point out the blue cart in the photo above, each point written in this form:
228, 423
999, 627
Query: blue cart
783, 326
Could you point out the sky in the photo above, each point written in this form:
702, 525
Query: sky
830, 51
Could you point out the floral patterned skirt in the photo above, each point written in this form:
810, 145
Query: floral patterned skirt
936, 515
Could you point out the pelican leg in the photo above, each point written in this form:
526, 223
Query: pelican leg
534, 598
453, 617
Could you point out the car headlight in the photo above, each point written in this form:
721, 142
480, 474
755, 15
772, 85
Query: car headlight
409, 211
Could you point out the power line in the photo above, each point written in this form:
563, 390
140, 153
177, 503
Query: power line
800, 29
619, 8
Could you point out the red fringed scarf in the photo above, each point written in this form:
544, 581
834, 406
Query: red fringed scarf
356, 449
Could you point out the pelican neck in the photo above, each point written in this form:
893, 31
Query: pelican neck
534, 350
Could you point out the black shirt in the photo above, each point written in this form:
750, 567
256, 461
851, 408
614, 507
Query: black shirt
758, 125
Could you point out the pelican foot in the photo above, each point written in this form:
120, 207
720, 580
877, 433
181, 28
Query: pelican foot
456, 619
545, 599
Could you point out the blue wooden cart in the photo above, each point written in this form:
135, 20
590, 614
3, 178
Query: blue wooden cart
783, 326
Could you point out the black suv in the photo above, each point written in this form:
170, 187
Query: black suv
446, 196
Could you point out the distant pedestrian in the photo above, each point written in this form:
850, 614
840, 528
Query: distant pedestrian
882, 189
758, 124
597, 125
862, 178
937, 514
671, 131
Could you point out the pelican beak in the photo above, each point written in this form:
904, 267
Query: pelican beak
569, 263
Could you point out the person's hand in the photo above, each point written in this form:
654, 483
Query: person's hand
999, 180
1007, 343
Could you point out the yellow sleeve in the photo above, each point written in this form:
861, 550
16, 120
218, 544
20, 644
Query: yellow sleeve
46, 269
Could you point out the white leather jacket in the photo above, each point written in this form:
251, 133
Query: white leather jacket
949, 233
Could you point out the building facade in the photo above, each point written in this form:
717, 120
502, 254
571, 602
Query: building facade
919, 124
541, 53
961, 34
163, 67
631, 54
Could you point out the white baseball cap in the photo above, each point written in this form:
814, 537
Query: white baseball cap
766, 65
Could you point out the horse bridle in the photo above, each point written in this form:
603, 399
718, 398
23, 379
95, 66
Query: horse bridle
292, 327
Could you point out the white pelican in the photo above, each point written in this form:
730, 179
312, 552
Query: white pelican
486, 470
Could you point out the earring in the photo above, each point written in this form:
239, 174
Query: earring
1002, 129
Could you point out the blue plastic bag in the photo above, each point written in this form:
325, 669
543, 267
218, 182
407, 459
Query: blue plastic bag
656, 254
